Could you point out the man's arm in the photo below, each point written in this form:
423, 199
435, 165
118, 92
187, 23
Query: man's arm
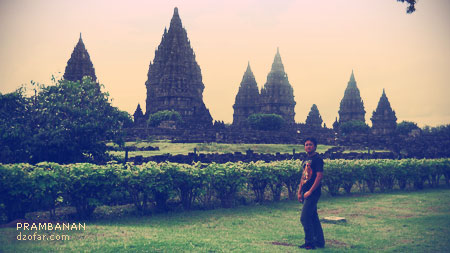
299, 193
316, 183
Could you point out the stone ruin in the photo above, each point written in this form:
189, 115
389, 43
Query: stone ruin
384, 121
174, 82
79, 64
352, 106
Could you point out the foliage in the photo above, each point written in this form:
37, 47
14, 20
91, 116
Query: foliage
189, 180
226, 179
406, 127
354, 126
16, 190
266, 122
259, 176
65, 123
14, 127
45, 186
86, 185
411, 7
156, 118
73, 120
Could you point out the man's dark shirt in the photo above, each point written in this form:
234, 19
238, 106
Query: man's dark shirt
316, 166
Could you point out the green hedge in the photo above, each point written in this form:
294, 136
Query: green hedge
45, 186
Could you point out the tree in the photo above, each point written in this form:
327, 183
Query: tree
156, 118
406, 127
267, 122
65, 123
354, 126
411, 8
14, 127
73, 121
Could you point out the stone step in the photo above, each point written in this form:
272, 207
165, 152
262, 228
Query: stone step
333, 219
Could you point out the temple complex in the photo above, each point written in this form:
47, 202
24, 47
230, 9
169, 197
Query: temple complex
314, 119
383, 118
352, 106
247, 99
79, 64
277, 95
175, 80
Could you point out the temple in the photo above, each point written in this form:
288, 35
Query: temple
277, 95
247, 99
352, 106
314, 119
383, 118
79, 64
175, 80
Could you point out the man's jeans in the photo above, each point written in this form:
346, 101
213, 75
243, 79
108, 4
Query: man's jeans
310, 220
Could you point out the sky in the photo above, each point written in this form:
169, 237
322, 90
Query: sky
320, 43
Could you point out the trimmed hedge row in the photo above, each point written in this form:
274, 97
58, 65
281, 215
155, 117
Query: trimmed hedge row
45, 186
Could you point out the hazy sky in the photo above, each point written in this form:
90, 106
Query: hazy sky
320, 43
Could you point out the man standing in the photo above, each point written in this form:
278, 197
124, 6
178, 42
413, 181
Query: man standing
309, 193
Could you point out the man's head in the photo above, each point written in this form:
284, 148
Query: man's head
310, 145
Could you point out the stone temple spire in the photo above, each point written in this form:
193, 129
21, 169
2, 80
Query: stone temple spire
314, 119
247, 98
277, 95
79, 64
175, 80
383, 118
277, 65
352, 106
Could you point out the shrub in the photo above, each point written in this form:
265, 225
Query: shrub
226, 180
332, 176
189, 181
156, 118
354, 126
259, 175
16, 190
86, 185
266, 122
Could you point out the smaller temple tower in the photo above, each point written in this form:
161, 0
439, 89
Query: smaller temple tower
79, 64
247, 99
352, 106
314, 119
138, 115
383, 118
277, 95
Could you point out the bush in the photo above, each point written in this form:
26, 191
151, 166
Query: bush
226, 180
354, 126
266, 122
259, 175
156, 118
26, 188
16, 190
332, 178
189, 180
86, 185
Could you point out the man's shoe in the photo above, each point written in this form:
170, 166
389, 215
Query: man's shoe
308, 247
302, 246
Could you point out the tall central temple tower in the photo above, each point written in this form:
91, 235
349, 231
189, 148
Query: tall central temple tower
277, 95
352, 106
175, 80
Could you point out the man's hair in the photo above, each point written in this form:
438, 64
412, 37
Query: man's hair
311, 139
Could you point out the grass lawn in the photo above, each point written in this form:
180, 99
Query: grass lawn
221, 148
398, 221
